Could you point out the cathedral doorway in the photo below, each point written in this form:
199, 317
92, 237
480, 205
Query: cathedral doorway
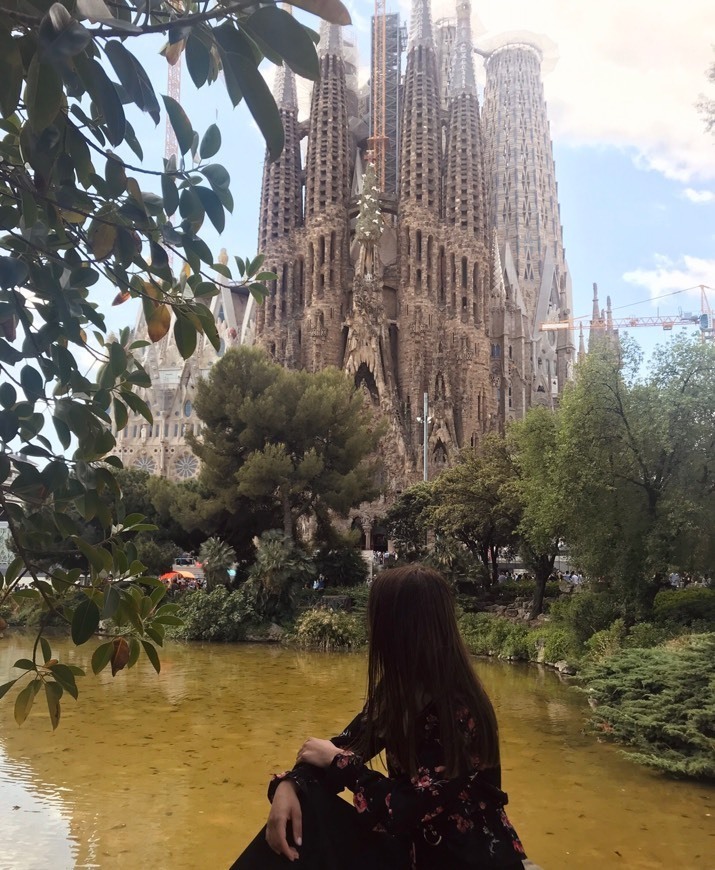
365, 378
379, 538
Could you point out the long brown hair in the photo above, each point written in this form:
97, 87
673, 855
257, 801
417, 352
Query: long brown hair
416, 656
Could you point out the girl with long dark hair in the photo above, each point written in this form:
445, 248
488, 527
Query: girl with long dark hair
441, 806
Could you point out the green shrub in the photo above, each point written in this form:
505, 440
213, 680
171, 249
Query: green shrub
516, 645
644, 635
554, 642
661, 702
281, 569
584, 613
476, 629
485, 634
217, 615
607, 641
343, 566
329, 630
684, 607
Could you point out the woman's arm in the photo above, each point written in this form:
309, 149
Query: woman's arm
305, 768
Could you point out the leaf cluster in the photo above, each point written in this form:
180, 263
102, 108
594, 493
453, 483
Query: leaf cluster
77, 218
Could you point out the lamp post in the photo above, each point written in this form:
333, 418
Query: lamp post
425, 419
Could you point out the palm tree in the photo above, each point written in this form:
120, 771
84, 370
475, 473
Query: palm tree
217, 557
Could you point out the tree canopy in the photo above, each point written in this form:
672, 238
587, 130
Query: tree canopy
297, 442
636, 475
474, 503
76, 213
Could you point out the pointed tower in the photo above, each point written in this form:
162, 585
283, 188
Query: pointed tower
327, 195
464, 291
421, 141
523, 204
280, 217
581, 344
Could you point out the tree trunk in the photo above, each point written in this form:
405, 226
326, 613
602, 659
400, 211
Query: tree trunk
494, 557
544, 567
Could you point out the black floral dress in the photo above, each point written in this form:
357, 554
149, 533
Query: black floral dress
449, 823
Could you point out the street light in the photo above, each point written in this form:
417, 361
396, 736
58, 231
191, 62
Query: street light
425, 419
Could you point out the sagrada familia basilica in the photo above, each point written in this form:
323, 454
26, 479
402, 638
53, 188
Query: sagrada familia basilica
430, 271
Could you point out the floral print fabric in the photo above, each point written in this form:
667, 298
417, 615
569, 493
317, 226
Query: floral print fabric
463, 816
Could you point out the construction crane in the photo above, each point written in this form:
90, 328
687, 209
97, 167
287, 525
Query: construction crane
704, 320
378, 140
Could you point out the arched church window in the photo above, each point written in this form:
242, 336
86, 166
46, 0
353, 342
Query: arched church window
187, 408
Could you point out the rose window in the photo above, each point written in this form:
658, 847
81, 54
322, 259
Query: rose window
145, 463
186, 466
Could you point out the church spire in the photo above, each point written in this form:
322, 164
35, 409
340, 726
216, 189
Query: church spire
328, 163
463, 79
284, 90
596, 315
331, 40
581, 344
464, 203
281, 196
421, 24
421, 140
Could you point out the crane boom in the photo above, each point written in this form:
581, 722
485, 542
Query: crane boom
704, 320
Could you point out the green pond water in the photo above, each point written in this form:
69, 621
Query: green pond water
171, 771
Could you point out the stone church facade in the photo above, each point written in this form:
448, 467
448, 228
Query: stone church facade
441, 288
436, 286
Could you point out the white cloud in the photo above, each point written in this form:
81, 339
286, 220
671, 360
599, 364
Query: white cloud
668, 276
628, 74
699, 196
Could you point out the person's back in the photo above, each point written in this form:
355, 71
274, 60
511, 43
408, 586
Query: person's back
441, 804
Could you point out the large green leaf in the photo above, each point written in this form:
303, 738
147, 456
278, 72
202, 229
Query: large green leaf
170, 194
152, 655
25, 700
332, 11
43, 94
212, 206
281, 32
133, 78
106, 96
259, 100
180, 123
53, 693
184, 335
211, 142
10, 72
198, 60
102, 656
13, 273
85, 621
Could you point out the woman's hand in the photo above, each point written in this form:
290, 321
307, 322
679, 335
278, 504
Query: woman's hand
319, 753
285, 808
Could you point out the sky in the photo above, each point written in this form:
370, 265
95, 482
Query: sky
634, 164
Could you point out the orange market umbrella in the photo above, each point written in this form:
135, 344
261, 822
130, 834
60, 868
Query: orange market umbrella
170, 575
